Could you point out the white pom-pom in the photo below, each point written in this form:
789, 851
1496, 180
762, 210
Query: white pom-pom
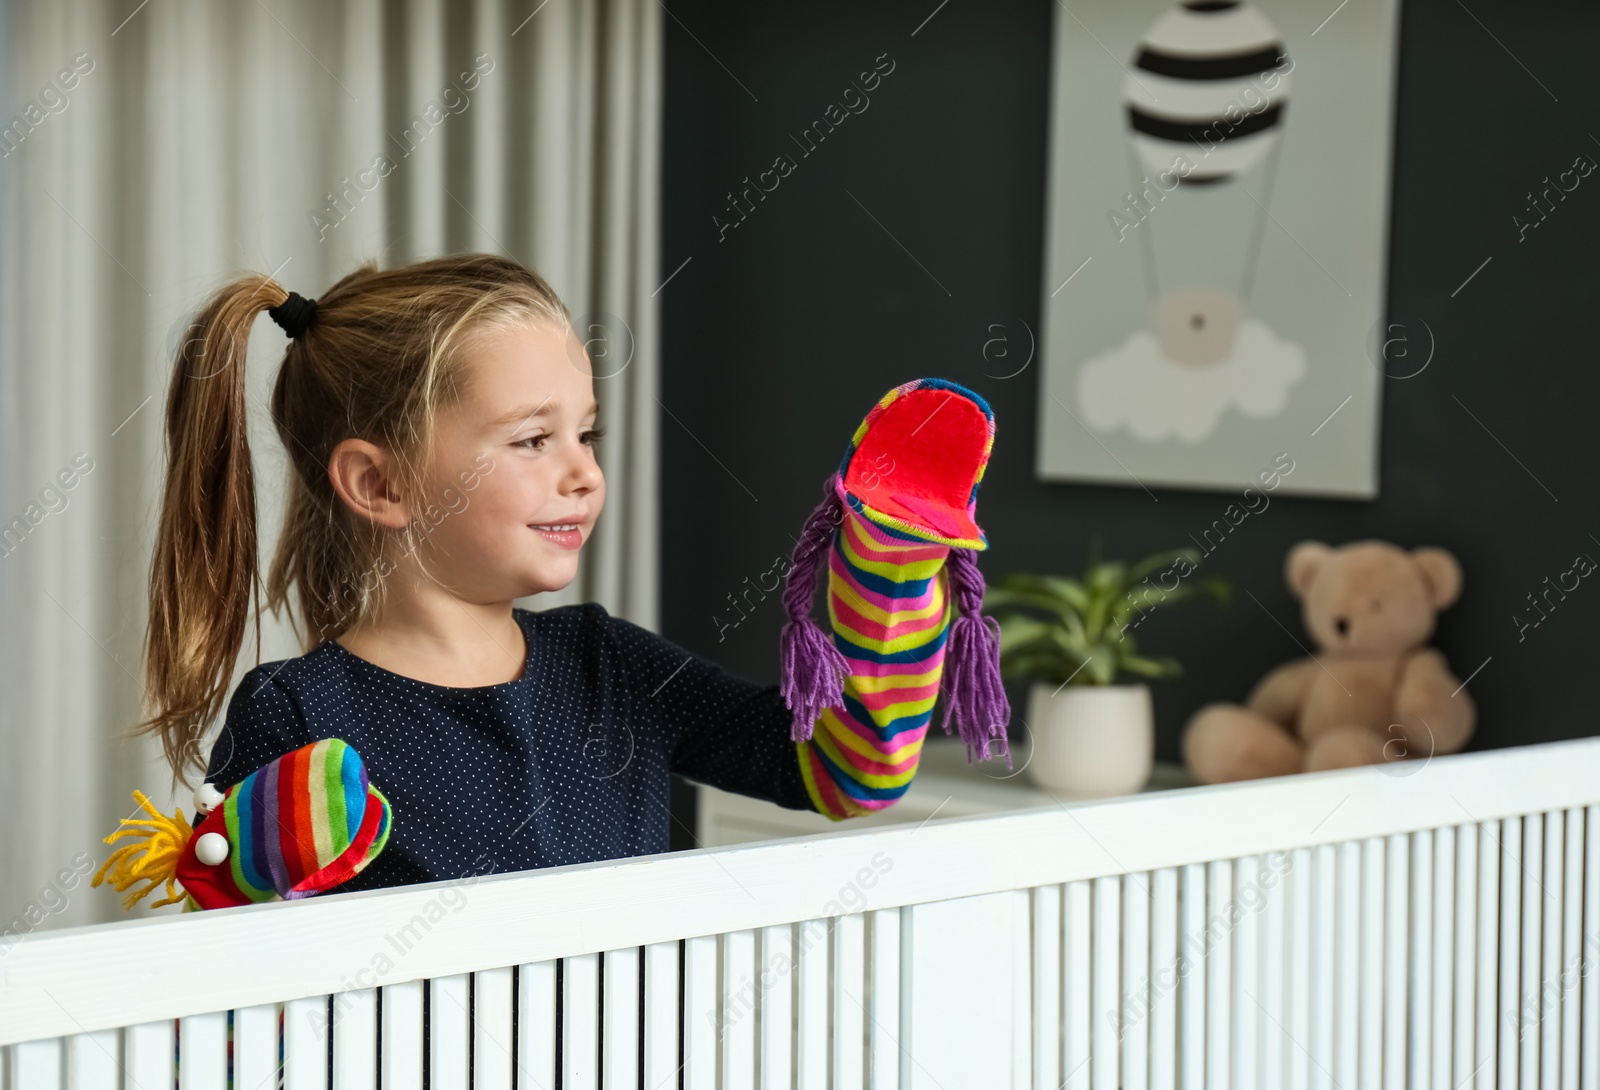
207, 798
211, 849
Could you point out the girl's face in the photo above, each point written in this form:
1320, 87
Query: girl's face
515, 458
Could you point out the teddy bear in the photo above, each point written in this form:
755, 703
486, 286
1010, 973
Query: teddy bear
1374, 692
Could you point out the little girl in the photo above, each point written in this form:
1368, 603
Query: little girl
440, 419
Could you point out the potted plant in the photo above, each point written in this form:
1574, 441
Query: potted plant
1092, 726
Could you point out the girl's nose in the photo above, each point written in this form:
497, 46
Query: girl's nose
583, 470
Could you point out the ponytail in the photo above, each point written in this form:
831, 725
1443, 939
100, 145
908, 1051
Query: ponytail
204, 581
381, 358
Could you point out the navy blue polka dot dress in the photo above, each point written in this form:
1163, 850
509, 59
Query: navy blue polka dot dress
566, 764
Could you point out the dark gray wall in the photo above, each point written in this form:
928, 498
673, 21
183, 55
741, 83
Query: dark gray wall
778, 339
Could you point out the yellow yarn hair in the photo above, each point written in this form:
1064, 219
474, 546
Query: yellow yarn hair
161, 840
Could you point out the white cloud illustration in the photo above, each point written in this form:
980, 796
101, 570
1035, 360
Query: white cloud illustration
1137, 386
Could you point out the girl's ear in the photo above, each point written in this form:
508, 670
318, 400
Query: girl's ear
362, 473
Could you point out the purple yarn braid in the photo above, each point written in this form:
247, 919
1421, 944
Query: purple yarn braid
971, 681
813, 669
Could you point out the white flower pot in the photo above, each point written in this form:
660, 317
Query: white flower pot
1091, 740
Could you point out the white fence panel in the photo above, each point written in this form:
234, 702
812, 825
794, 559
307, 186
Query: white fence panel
1440, 930
93, 1061
536, 1023
403, 1059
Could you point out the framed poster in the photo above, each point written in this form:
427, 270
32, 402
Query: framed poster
1216, 244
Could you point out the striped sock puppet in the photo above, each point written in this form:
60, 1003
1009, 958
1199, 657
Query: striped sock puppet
297, 826
897, 527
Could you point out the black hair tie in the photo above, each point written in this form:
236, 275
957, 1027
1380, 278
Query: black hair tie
294, 314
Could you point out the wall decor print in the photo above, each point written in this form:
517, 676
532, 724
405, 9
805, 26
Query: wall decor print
1216, 243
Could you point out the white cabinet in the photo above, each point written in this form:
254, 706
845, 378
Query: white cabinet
945, 786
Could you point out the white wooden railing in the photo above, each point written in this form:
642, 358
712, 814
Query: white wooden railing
1432, 924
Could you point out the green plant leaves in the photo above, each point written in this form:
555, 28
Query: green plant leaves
1058, 629
1147, 596
1151, 667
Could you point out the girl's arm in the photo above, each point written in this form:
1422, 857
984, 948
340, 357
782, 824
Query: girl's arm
890, 611
708, 724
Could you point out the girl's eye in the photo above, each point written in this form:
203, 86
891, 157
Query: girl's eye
533, 442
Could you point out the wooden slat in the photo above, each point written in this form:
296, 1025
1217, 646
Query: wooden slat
580, 1019
1486, 1042
907, 984
811, 1006
1135, 1013
94, 1060
1572, 952
36, 1065
1589, 1073
1165, 980
449, 1033
39, 1065
1276, 947
777, 1005
1192, 991
146, 1057
661, 1017
1219, 972
1247, 900
621, 1035
1374, 892
305, 1044
1508, 845
1547, 1000
1302, 885
849, 1011
203, 1052
1078, 1015
1527, 1005
492, 1031
1324, 915
883, 1025
403, 1058
1105, 975
701, 1006
1420, 1024
536, 1022
738, 1014
1347, 1010
355, 1039
1443, 982
1464, 1029
1017, 968
255, 1047
1397, 962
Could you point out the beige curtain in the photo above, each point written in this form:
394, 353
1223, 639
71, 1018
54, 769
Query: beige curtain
155, 149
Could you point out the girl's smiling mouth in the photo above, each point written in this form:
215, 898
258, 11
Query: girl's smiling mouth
566, 535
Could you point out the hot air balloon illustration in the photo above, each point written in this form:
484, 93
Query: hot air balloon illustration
1206, 98
1189, 93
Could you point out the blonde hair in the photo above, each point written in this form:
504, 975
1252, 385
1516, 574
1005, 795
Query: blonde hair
382, 356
